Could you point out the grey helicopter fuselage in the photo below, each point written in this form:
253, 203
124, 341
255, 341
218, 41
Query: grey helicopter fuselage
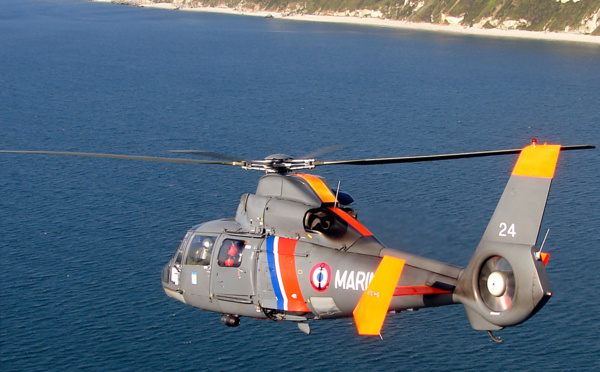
297, 255
295, 250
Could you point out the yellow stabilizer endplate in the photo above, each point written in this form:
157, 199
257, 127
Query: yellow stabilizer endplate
373, 306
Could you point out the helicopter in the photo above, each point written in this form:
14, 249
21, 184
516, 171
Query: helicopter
295, 250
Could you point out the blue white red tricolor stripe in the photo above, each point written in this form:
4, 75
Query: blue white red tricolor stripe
282, 267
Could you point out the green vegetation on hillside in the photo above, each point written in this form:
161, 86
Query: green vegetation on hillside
534, 15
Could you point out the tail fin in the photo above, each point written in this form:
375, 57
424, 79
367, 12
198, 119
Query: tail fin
505, 282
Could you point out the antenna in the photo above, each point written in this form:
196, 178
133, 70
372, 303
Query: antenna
337, 192
538, 255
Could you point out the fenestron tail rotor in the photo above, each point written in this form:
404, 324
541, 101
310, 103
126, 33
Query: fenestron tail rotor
497, 283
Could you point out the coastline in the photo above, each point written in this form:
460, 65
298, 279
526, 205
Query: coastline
380, 22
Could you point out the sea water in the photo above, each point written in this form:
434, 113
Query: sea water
83, 240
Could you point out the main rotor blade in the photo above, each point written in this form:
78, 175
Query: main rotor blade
208, 154
129, 157
422, 158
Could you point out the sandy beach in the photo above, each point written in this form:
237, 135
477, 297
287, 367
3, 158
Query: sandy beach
379, 22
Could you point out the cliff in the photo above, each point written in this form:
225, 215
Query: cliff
572, 16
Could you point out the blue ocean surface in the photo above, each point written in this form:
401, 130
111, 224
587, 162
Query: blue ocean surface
83, 240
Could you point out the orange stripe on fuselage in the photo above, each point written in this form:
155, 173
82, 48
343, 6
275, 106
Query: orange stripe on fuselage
351, 221
537, 161
319, 186
326, 196
418, 290
289, 277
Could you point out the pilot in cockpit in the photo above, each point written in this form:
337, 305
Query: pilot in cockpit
204, 256
200, 250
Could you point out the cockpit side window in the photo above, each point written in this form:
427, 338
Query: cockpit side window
230, 253
200, 250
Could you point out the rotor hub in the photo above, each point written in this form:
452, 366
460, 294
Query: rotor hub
497, 283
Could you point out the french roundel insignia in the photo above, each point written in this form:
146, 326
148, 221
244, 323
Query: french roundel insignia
320, 276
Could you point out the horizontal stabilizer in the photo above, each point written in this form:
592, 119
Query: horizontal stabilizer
373, 306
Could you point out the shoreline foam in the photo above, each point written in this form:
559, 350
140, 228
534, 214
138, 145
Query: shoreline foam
379, 22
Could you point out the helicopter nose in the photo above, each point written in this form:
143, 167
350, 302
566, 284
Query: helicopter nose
169, 286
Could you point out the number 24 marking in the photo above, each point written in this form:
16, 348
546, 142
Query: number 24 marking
506, 230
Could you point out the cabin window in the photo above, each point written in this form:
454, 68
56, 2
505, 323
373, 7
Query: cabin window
200, 250
230, 254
